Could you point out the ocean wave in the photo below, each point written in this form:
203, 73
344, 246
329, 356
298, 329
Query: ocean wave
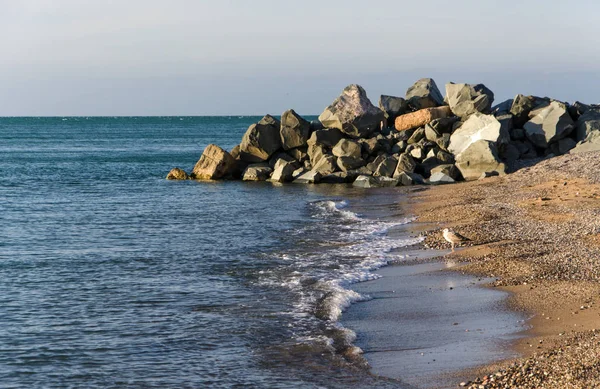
340, 249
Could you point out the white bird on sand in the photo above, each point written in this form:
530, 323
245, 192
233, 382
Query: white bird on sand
454, 237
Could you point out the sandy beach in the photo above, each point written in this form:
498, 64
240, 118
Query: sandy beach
535, 233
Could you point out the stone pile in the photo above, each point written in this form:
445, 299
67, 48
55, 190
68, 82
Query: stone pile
421, 138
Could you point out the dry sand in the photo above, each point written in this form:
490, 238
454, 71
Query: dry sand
536, 232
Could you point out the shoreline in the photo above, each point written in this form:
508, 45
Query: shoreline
534, 233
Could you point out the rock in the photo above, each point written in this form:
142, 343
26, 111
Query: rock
350, 163
420, 118
522, 106
369, 146
386, 168
372, 166
299, 154
337, 178
565, 145
298, 172
281, 155
328, 137
485, 175
417, 136
448, 169
444, 125
444, 157
466, 99
235, 152
177, 174
347, 148
399, 147
257, 172
214, 163
588, 121
431, 133
283, 171
509, 153
417, 153
261, 140
310, 177
548, 124
424, 168
440, 178
503, 108
392, 107
353, 113
365, 182
387, 182
424, 94
526, 148
408, 179
481, 156
518, 134
591, 143
326, 165
443, 141
316, 125
315, 153
406, 164
477, 127
294, 130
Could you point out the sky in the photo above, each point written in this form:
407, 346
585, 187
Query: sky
238, 57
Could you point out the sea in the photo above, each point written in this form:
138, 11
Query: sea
113, 277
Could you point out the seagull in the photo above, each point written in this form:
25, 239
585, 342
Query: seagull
454, 237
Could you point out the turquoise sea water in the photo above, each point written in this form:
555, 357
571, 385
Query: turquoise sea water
113, 277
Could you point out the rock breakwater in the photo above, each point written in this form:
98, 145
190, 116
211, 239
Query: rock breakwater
423, 137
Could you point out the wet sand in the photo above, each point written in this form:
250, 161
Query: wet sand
424, 322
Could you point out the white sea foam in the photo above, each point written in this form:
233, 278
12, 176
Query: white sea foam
344, 249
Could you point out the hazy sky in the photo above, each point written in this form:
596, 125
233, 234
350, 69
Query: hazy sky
203, 57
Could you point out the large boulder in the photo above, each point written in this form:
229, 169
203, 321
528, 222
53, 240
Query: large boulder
480, 157
523, 105
406, 164
327, 137
261, 140
257, 172
294, 130
386, 168
477, 127
548, 124
350, 163
424, 94
347, 148
366, 182
591, 143
310, 177
214, 163
588, 122
353, 113
392, 107
466, 99
283, 171
420, 118
325, 165
177, 174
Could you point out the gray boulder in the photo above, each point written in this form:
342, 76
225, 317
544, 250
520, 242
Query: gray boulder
417, 136
214, 163
480, 157
386, 168
477, 127
444, 157
257, 172
350, 163
326, 165
337, 178
392, 107
300, 154
283, 171
591, 143
466, 99
447, 169
353, 113
424, 94
294, 130
347, 148
365, 182
261, 140
588, 121
315, 153
406, 164
328, 137
565, 145
548, 124
440, 178
310, 177
523, 105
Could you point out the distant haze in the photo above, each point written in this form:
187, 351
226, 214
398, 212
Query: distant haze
221, 57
